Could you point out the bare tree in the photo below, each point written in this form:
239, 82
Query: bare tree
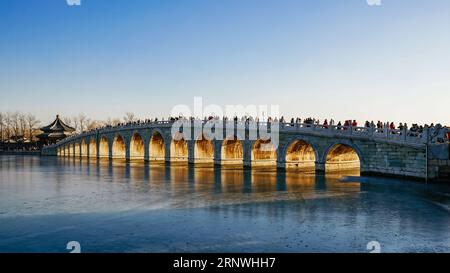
111, 121
68, 121
129, 117
22, 124
2, 125
75, 124
7, 121
32, 122
108, 122
15, 124
93, 124
82, 121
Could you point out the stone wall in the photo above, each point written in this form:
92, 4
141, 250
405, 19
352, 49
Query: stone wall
439, 162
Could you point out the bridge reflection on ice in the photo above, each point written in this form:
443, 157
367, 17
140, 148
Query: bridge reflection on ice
187, 185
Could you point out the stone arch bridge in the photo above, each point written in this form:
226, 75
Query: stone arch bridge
301, 146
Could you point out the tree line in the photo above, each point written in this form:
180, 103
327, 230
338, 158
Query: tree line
18, 126
24, 127
82, 123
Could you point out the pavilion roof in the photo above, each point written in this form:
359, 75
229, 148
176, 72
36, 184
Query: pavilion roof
57, 125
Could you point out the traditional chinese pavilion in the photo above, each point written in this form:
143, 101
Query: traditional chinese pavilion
54, 132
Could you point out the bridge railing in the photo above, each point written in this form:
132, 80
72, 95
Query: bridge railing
393, 135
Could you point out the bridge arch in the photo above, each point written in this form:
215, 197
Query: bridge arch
92, 147
137, 150
119, 147
263, 153
342, 156
232, 151
301, 155
204, 150
103, 147
179, 148
157, 146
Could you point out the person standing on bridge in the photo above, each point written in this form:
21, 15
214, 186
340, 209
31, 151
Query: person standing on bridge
331, 122
346, 124
392, 126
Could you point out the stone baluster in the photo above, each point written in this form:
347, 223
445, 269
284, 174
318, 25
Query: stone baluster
387, 130
405, 133
425, 134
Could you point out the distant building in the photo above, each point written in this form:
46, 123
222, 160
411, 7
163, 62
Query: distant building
54, 132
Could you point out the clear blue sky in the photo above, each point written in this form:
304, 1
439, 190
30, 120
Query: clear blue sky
320, 58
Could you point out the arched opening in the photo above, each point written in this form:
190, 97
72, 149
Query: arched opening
342, 157
66, 151
204, 151
157, 148
93, 148
118, 148
103, 147
300, 156
136, 147
232, 152
178, 149
77, 149
58, 151
84, 148
264, 153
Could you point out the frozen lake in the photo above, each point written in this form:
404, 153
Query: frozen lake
46, 202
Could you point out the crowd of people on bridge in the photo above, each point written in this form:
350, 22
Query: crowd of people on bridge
415, 130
